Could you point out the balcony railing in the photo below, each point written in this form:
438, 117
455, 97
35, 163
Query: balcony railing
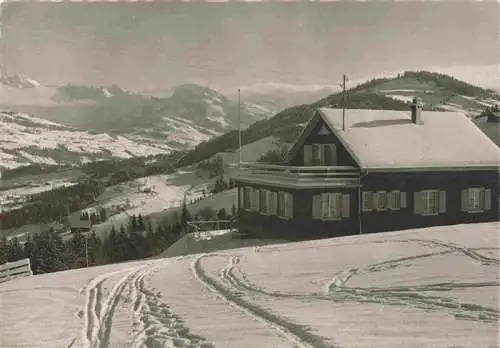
282, 175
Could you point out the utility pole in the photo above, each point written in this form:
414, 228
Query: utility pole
239, 129
87, 250
343, 101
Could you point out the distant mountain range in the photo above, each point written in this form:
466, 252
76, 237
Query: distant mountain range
112, 121
74, 124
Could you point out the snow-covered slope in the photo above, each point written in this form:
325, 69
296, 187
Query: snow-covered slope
18, 81
435, 287
25, 139
191, 115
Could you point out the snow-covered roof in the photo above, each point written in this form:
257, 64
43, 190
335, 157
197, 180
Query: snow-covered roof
388, 139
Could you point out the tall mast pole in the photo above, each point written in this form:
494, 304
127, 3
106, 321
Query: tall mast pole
343, 102
86, 251
239, 128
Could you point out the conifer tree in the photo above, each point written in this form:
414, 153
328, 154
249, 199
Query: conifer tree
50, 249
94, 249
75, 251
15, 251
103, 215
109, 246
123, 247
4, 250
140, 223
29, 249
160, 239
134, 223
185, 217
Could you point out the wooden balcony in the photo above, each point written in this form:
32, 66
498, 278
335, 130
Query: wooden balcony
298, 177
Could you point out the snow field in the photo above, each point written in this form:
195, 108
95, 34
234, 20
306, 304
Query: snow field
165, 194
208, 313
389, 300
434, 287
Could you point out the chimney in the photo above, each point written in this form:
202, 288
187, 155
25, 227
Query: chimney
416, 111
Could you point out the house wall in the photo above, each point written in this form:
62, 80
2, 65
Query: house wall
301, 226
343, 156
452, 182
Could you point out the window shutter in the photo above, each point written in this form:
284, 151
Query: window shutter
442, 201
377, 197
345, 205
315, 153
241, 193
391, 200
487, 199
275, 199
402, 197
307, 155
248, 197
417, 202
465, 200
257, 200
367, 201
375, 200
290, 205
316, 206
333, 154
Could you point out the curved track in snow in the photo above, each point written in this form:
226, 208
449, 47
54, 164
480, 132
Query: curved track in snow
412, 296
153, 324
293, 333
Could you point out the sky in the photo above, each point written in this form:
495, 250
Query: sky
148, 46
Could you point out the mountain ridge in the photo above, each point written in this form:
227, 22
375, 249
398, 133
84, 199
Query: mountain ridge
191, 115
202, 121
439, 92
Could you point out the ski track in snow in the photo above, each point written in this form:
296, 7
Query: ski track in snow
410, 296
249, 309
153, 324
470, 253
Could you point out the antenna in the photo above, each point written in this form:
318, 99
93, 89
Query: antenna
239, 128
343, 100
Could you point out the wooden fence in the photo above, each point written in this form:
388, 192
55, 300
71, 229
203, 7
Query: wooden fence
16, 269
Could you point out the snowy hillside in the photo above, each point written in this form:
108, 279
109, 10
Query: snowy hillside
435, 287
25, 139
18, 81
191, 115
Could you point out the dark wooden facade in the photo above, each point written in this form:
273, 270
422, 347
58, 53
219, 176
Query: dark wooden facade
403, 188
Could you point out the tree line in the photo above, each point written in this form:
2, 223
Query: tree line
138, 239
53, 205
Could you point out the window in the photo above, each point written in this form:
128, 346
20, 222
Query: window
381, 200
367, 201
477, 199
394, 200
430, 202
320, 155
285, 205
330, 206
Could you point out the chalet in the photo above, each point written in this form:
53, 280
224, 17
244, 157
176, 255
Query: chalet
494, 115
78, 225
373, 171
